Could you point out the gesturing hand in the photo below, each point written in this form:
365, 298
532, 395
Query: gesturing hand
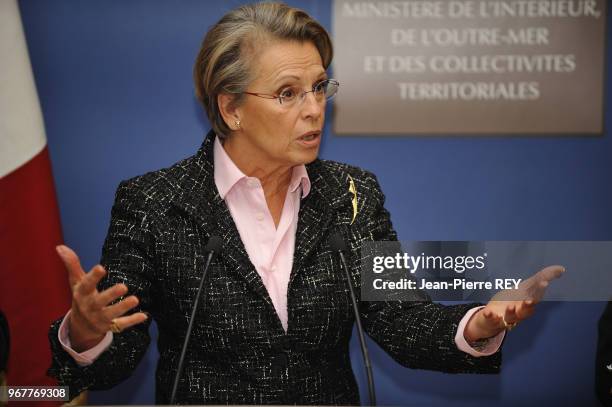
91, 313
508, 307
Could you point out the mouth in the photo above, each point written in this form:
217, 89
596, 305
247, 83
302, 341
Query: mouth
310, 139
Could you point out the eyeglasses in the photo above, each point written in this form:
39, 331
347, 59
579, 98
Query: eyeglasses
292, 95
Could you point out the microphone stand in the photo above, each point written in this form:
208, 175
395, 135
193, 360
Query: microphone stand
338, 244
212, 247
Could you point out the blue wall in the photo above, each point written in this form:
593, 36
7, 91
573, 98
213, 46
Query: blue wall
114, 80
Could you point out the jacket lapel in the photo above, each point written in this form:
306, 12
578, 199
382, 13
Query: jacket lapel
329, 194
200, 199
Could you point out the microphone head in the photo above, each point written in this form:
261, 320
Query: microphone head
214, 244
336, 242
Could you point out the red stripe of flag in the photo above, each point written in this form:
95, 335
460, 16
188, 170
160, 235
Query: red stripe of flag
33, 283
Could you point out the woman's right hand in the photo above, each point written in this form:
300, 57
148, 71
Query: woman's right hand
91, 313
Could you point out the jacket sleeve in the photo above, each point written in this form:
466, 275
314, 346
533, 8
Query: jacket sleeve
127, 255
418, 334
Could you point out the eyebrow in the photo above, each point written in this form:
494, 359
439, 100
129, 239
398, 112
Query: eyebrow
284, 77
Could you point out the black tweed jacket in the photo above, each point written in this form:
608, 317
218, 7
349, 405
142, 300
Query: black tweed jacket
239, 352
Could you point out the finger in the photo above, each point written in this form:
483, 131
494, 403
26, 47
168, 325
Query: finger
491, 317
72, 263
537, 290
90, 281
490, 313
494, 320
551, 272
533, 285
510, 314
525, 309
128, 321
111, 294
117, 310
493, 323
527, 305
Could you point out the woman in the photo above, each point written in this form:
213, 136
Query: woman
277, 319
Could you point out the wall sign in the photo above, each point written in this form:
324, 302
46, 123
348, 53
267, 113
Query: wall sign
469, 66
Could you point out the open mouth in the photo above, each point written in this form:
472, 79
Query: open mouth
312, 137
309, 137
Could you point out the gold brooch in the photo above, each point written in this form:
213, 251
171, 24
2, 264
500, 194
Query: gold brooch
353, 190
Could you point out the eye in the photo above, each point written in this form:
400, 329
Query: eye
320, 87
288, 94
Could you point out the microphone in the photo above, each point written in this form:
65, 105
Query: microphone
338, 244
212, 247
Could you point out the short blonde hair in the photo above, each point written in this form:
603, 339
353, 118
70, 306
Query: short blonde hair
222, 65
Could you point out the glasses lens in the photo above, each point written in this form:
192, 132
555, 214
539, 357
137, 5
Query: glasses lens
323, 90
331, 88
320, 88
288, 95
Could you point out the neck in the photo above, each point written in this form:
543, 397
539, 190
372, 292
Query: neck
274, 178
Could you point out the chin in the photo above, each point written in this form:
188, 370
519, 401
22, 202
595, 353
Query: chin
308, 157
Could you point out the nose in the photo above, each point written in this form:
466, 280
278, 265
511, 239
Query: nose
311, 107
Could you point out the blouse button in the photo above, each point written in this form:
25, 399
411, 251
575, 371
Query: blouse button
259, 216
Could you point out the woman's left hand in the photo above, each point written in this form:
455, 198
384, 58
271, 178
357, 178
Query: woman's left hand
509, 307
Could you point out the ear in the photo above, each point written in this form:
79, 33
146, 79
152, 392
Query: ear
229, 112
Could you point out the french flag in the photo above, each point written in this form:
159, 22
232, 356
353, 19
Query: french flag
33, 283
